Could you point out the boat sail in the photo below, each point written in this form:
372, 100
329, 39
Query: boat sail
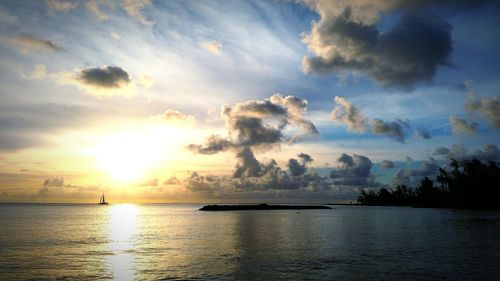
102, 201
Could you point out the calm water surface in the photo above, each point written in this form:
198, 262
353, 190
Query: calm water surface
177, 242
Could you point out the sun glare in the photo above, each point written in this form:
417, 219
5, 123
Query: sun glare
128, 156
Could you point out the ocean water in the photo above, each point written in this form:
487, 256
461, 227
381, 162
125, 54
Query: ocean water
177, 242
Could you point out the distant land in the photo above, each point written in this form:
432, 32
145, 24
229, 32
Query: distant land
259, 207
465, 184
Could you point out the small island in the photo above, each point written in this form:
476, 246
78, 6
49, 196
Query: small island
260, 207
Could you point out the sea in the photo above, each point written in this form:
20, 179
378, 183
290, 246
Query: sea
178, 242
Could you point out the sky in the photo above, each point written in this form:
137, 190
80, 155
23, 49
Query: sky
241, 101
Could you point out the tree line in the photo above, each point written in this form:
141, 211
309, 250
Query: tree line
465, 184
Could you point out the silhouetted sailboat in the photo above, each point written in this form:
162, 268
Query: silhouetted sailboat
102, 201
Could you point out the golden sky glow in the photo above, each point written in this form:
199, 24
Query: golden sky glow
189, 101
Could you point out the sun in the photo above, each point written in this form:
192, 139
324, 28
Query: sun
128, 156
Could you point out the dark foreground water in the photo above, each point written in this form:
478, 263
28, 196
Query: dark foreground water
177, 242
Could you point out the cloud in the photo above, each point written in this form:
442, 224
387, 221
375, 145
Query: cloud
94, 7
296, 109
252, 175
299, 167
172, 115
29, 43
427, 168
346, 113
489, 152
100, 82
412, 176
172, 181
54, 182
213, 144
395, 129
260, 124
347, 38
248, 166
353, 170
198, 183
460, 126
213, 47
441, 151
252, 178
115, 36
134, 9
489, 107
105, 77
252, 131
39, 72
106, 81
422, 133
60, 5
387, 164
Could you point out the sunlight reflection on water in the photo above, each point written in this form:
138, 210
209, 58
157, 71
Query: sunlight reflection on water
122, 235
177, 242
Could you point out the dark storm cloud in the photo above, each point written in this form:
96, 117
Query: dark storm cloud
295, 168
353, 170
305, 158
489, 107
248, 166
260, 124
394, 129
408, 54
460, 126
299, 167
252, 131
105, 77
347, 38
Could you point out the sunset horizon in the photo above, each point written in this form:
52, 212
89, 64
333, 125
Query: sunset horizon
249, 140
292, 101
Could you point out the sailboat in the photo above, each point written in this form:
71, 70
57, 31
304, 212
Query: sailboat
102, 201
